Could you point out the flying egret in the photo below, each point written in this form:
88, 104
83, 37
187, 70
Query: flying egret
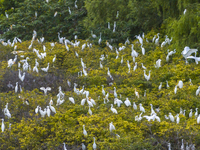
45, 90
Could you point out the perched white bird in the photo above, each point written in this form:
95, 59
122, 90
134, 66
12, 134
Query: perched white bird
187, 52
175, 89
177, 119
171, 117
21, 77
136, 93
48, 111
167, 85
89, 111
147, 77
84, 131
142, 108
134, 106
127, 102
158, 63
83, 146
180, 84
16, 87
45, 90
111, 126
94, 144
160, 86
2, 125
190, 114
196, 113
45, 69
72, 100
115, 93
198, 119
113, 109
52, 108
135, 67
143, 66
36, 109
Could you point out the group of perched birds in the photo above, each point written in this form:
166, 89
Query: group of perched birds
91, 102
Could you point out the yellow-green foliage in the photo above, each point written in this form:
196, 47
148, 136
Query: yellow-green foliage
30, 131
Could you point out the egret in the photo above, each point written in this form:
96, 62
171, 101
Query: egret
160, 86
108, 25
190, 114
196, 113
158, 63
197, 91
103, 91
143, 66
136, 93
72, 100
134, 106
2, 125
117, 14
187, 52
93, 35
142, 108
52, 108
83, 101
147, 77
152, 111
118, 102
175, 89
94, 144
89, 111
54, 59
16, 87
171, 117
84, 131
135, 67
122, 60
83, 146
127, 102
182, 145
113, 109
115, 93
21, 77
45, 90
143, 50
64, 146
36, 109
99, 39
180, 84
177, 119
69, 10
45, 69
198, 119
157, 40
167, 85
111, 126
129, 66
48, 111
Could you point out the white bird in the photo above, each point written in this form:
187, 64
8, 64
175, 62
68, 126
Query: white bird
45, 90
48, 111
190, 114
99, 39
167, 85
103, 91
89, 111
127, 102
135, 67
134, 106
136, 93
185, 11
64, 146
45, 69
182, 145
94, 144
115, 93
72, 100
16, 87
69, 10
177, 119
175, 89
198, 119
147, 77
142, 108
42, 113
169, 146
187, 52
54, 59
83, 46
55, 14
171, 117
180, 84
143, 66
160, 86
158, 63
111, 126
2, 125
129, 66
101, 66
52, 108
118, 102
84, 131
83, 146
36, 109
143, 50
21, 77
113, 109
93, 35
196, 113
122, 60
157, 40
152, 111
108, 25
